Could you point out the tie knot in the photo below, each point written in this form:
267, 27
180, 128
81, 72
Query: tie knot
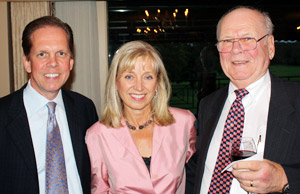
51, 107
241, 93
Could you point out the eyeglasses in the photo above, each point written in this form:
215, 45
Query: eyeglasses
247, 44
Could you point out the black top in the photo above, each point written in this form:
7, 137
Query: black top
147, 162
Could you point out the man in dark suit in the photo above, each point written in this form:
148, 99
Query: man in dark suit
48, 57
271, 112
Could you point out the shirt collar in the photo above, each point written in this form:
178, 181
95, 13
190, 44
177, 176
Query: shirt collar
34, 101
254, 89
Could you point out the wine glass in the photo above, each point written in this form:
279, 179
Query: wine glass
242, 148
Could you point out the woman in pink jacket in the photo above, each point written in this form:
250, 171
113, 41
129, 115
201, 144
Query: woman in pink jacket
140, 145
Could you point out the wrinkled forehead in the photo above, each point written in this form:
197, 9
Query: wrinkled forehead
242, 21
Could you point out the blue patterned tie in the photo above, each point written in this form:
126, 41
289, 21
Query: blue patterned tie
221, 182
56, 176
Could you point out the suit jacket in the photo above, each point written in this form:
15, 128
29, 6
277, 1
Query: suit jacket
18, 170
117, 166
283, 129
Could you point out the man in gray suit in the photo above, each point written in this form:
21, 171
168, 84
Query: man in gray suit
271, 112
48, 57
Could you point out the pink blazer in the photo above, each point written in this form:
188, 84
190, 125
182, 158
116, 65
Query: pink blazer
117, 166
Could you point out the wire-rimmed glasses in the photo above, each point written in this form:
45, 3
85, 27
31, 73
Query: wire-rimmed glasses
247, 44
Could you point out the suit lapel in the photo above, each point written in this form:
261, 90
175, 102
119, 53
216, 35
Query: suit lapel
279, 109
73, 123
159, 133
214, 115
20, 132
207, 130
123, 136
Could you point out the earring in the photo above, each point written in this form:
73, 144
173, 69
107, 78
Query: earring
156, 94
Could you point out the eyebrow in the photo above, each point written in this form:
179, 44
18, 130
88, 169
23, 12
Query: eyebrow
241, 36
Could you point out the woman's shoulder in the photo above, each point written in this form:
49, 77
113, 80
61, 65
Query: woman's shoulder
179, 112
97, 127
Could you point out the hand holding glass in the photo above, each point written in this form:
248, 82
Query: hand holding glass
242, 148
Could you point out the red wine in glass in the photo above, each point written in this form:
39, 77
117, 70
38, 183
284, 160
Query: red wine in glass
242, 148
241, 154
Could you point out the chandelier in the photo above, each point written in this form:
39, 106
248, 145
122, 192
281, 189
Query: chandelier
161, 21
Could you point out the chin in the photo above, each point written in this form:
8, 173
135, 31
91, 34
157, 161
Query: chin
241, 76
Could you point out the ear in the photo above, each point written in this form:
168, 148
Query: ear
27, 64
271, 46
71, 63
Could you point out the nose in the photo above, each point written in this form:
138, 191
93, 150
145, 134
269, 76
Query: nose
138, 84
52, 61
236, 47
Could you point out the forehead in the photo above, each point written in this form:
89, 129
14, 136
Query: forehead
143, 62
242, 22
49, 34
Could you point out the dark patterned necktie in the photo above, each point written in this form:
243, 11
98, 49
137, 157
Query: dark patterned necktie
56, 176
221, 182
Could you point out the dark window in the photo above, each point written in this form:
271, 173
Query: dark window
185, 35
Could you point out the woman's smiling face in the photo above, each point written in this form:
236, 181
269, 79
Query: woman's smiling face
136, 87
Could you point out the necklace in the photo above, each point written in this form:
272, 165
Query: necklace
138, 127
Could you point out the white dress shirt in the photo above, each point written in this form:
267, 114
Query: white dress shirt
256, 106
37, 113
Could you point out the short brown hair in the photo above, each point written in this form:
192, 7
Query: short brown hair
40, 23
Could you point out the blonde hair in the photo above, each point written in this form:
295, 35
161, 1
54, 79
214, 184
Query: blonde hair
124, 59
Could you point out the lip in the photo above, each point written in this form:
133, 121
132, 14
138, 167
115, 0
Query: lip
138, 97
241, 62
51, 75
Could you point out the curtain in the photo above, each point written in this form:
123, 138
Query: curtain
90, 36
21, 14
5, 73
